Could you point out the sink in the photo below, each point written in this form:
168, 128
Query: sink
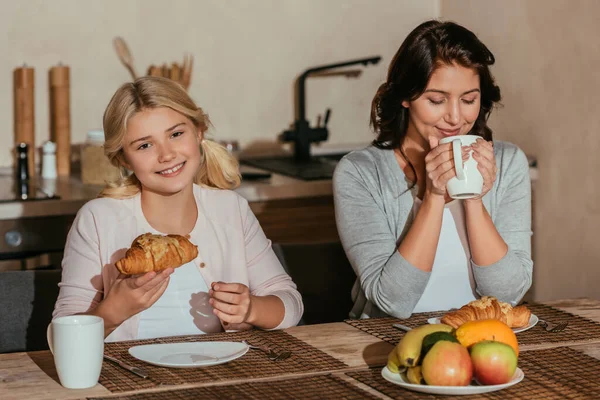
335, 157
317, 167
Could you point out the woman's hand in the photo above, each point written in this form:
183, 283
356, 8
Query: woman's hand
232, 302
130, 295
439, 166
483, 153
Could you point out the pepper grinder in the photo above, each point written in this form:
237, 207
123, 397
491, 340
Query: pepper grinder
60, 116
24, 113
22, 178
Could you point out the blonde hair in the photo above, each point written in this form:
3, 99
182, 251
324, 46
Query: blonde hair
218, 168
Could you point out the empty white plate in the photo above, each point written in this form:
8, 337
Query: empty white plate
533, 319
189, 355
400, 380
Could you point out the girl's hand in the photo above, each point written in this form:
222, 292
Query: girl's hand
483, 153
130, 295
232, 302
439, 166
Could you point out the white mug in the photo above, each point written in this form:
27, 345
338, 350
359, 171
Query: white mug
468, 182
77, 343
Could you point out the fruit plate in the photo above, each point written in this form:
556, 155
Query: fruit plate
401, 380
533, 320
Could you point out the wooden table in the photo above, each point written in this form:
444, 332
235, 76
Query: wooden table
32, 375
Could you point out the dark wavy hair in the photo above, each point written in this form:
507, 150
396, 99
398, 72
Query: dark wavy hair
429, 45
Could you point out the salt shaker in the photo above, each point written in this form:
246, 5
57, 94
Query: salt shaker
49, 160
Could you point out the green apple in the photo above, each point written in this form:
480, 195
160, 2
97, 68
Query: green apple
494, 363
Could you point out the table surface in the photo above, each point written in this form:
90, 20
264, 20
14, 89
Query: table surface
32, 375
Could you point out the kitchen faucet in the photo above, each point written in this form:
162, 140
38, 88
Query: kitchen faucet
302, 133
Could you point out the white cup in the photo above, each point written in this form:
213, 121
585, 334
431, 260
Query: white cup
77, 343
468, 182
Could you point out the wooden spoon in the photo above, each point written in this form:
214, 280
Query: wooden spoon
175, 72
124, 55
154, 70
166, 73
186, 73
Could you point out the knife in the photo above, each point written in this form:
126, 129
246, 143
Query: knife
138, 371
402, 327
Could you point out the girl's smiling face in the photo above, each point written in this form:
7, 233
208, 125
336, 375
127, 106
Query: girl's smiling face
162, 148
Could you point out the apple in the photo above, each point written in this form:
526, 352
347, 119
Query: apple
494, 363
447, 364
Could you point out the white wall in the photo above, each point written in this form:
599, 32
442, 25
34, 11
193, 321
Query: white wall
247, 55
547, 56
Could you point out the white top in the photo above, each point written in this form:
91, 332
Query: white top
183, 308
451, 283
232, 247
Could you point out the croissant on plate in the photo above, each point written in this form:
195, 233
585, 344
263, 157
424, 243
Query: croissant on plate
488, 307
150, 252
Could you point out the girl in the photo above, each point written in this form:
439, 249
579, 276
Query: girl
181, 185
412, 247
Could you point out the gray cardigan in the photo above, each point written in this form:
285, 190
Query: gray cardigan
373, 204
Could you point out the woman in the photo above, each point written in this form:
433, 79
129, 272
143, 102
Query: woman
180, 185
413, 248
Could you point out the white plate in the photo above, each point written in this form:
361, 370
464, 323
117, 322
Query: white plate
533, 319
189, 355
400, 380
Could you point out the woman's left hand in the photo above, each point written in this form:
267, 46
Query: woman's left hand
231, 301
483, 153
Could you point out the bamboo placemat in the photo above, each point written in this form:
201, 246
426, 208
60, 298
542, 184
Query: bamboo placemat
580, 330
559, 373
254, 364
316, 387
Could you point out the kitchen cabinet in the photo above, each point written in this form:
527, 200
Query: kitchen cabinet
302, 220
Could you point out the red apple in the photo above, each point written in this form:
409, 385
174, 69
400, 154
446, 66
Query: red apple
494, 363
447, 364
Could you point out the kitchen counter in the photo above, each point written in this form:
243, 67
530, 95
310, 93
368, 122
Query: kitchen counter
74, 194
289, 211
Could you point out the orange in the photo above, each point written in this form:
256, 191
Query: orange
473, 332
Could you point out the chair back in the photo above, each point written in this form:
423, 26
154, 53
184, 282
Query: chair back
324, 278
26, 303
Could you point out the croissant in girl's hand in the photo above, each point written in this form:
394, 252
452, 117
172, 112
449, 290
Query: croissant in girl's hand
150, 252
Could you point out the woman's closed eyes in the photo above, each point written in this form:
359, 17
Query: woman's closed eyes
438, 102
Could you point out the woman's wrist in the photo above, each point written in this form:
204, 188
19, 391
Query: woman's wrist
473, 204
433, 200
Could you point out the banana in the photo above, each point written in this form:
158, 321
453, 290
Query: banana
409, 349
393, 363
414, 375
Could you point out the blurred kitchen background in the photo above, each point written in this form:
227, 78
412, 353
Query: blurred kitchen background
247, 56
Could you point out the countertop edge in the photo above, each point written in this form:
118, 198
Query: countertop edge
279, 187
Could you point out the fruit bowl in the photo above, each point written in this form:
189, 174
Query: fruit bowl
401, 380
